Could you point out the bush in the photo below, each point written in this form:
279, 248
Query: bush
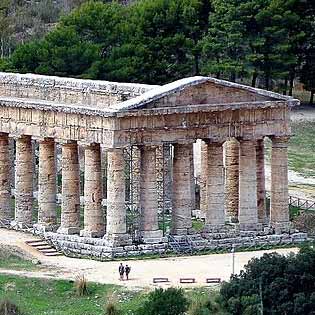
276, 283
164, 302
111, 307
9, 308
81, 285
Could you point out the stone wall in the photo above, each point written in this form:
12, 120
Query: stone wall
76, 246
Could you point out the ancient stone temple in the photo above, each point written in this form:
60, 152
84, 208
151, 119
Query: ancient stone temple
144, 136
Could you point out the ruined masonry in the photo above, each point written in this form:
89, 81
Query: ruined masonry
140, 140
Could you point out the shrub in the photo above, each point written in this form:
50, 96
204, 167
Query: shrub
8, 308
81, 285
111, 307
164, 302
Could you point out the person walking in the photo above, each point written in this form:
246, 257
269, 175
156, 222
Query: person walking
127, 270
121, 271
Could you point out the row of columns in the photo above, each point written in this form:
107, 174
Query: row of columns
242, 194
94, 221
246, 195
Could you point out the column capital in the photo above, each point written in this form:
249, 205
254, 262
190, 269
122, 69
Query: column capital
67, 142
212, 142
280, 141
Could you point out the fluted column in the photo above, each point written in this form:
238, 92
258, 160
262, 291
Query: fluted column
248, 217
116, 197
70, 207
232, 149
148, 195
93, 212
203, 177
24, 181
279, 209
5, 188
261, 190
182, 188
215, 216
47, 183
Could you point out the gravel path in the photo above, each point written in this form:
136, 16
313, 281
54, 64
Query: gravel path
142, 271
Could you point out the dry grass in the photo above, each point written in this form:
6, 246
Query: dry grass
7, 307
81, 285
111, 306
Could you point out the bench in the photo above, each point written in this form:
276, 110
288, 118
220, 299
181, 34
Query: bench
187, 280
160, 280
213, 280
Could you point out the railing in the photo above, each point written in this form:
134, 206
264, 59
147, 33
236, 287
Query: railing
180, 246
303, 204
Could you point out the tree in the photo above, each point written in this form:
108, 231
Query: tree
164, 302
308, 50
287, 285
223, 47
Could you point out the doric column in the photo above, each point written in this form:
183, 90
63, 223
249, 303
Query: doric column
261, 190
279, 209
94, 225
148, 195
215, 216
24, 181
232, 152
203, 177
47, 183
248, 217
70, 207
116, 197
182, 188
5, 188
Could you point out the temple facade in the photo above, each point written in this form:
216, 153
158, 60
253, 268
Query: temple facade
144, 135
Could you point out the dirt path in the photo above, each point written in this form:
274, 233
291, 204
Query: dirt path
142, 272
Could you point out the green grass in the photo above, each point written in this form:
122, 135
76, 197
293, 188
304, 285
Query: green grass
8, 260
302, 148
58, 297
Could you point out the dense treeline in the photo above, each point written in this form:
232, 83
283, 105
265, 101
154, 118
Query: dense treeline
265, 43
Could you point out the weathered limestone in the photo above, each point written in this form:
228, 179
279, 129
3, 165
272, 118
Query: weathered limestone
279, 212
116, 196
248, 217
215, 216
261, 190
70, 208
183, 188
47, 184
5, 187
203, 177
232, 149
140, 188
94, 225
24, 181
148, 196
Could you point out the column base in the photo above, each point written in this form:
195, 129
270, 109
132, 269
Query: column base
20, 225
43, 228
68, 230
115, 240
215, 228
93, 234
250, 226
183, 231
152, 237
281, 227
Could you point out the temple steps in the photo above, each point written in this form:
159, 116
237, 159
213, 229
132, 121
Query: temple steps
44, 247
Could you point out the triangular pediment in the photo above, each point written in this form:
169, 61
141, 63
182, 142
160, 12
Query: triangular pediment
198, 91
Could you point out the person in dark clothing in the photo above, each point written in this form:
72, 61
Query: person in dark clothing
121, 271
127, 270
